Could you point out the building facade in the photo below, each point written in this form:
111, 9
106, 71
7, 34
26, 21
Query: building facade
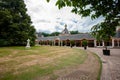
65, 38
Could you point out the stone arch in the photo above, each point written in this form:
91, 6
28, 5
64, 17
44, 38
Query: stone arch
68, 42
57, 41
78, 43
63, 42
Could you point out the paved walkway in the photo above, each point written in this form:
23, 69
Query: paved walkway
111, 64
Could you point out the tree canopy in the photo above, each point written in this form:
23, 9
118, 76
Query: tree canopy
15, 24
104, 33
94, 8
109, 9
74, 32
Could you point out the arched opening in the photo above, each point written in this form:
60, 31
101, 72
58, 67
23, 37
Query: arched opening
90, 43
67, 42
78, 43
57, 41
108, 43
63, 42
99, 43
82, 42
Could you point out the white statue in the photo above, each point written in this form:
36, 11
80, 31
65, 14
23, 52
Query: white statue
28, 43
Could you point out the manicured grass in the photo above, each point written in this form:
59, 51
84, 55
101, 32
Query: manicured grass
36, 63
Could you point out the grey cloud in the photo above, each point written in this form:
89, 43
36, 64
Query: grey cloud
62, 23
37, 12
45, 21
70, 26
73, 20
57, 28
58, 18
89, 22
46, 31
84, 31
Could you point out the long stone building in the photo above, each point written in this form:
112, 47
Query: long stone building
65, 37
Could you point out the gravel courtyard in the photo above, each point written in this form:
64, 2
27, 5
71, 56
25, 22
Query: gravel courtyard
111, 64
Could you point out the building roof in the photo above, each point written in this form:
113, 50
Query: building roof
65, 35
69, 37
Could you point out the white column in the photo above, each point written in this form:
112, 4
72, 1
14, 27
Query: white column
75, 43
70, 44
113, 44
99, 43
103, 43
61, 43
66, 43
95, 43
80, 43
54, 42
118, 42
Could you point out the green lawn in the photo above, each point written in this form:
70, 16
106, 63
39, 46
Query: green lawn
37, 63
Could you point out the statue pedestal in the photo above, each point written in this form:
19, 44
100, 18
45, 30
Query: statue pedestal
27, 46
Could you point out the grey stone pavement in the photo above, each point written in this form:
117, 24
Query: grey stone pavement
111, 64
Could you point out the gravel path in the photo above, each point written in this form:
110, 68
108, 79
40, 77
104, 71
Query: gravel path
111, 64
86, 71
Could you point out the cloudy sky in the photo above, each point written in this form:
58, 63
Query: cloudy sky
46, 17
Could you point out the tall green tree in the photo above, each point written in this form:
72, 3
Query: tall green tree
74, 32
15, 24
45, 34
103, 31
55, 34
109, 9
